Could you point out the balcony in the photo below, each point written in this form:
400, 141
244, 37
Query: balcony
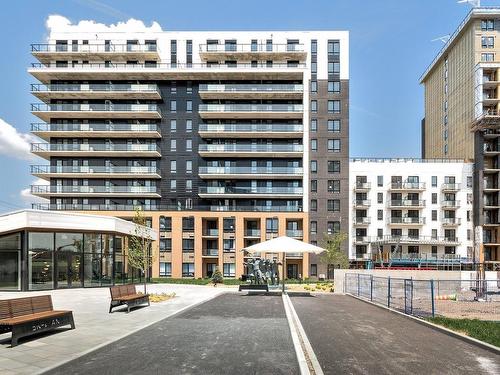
111, 191
248, 52
406, 203
251, 91
249, 192
250, 172
100, 130
450, 187
361, 220
116, 52
415, 240
250, 130
210, 253
88, 111
251, 150
362, 186
450, 221
406, 220
361, 240
251, 111
152, 71
210, 232
47, 150
252, 232
95, 91
418, 186
361, 203
296, 233
450, 204
294, 255
52, 171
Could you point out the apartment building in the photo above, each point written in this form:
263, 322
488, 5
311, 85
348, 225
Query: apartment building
223, 139
461, 116
410, 212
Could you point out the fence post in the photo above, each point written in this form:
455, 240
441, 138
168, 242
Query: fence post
371, 288
432, 297
389, 291
358, 285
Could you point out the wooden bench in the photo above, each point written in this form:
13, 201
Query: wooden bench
126, 295
30, 315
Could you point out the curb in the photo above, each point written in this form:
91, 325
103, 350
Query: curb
436, 327
97, 347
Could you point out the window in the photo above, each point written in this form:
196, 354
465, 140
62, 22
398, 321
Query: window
380, 197
228, 245
380, 181
333, 126
189, 126
187, 269
173, 106
333, 205
434, 234
314, 86
334, 106
173, 185
334, 87
487, 57
434, 198
165, 224
173, 166
314, 205
334, 166
229, 269
165, 244
314, 166
469, 181
333, 47
413, 233
173, 145
334, 186
173, 126
469, 235
272, 225
333, 68
380, 232
434, 181
314, 105
380, 214
314, 125
333, 227
334, 145
228, 224
314, 145
487, 42
314, 270
165, 269
189, 145
434, 215
314, 227
449, 250
314, 46
189, 166
487, 25
189, 185
187, 245
189, 106
314, 186
188, 224
468, 215
189, 87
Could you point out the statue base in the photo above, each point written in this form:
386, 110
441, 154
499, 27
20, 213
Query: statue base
263, 287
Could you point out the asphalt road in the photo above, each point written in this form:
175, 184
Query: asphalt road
231, 334
353, 337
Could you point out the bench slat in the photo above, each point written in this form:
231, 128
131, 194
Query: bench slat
33, 317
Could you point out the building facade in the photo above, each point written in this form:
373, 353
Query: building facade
461, 116
221, 138
410, 212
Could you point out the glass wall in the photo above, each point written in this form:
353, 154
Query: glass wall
68, 265
40, 260
10, 262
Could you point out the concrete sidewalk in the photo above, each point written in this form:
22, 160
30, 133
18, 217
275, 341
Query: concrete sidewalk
353, 337
94, 325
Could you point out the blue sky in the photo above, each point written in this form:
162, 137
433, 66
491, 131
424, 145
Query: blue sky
391, 45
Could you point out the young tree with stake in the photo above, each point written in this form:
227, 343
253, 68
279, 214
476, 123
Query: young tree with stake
139, 247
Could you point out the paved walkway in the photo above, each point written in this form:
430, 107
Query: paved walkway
94, 325
352, 337
231, 334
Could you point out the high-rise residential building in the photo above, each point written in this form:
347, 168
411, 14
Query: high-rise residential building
411, 213
462, 120
223, 139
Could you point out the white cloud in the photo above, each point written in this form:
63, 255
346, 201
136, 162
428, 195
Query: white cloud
59, 24
13, 143
28, 198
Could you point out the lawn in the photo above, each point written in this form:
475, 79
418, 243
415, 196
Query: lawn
486, 331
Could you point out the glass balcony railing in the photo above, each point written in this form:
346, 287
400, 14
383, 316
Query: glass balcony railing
450, 186
450, 203
414, 239
250, 128
406, 220
251, 88
49, 189
139, 170
252, 232
251, 170
250, 148
253, 47
361, 220
81, 87
450, 221
94, 48
211, 232
294, 233
362, 186
361, 202
408, 185
249, 190
407, 203
153, 65
250, 108
210, 252
99, 107
41, 147
101, 127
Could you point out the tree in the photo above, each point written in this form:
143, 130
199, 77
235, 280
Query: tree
139, 247
334, 254
217, 277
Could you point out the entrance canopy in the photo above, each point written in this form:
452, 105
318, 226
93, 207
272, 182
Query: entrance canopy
283, 245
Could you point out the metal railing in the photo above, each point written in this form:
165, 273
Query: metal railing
52, 189
94, 107
97, 87
257, 87
250, 108
413, 239
250, 148
89, 147
44, 169
249, 190
250, 170
162, 66
254, 128
252, 47
91, 127
51, 47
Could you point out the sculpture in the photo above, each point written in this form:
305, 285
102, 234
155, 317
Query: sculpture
262, 271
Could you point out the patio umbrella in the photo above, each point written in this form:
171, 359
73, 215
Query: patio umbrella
283, 245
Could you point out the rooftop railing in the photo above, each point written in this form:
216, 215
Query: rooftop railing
163, 66
51, 47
